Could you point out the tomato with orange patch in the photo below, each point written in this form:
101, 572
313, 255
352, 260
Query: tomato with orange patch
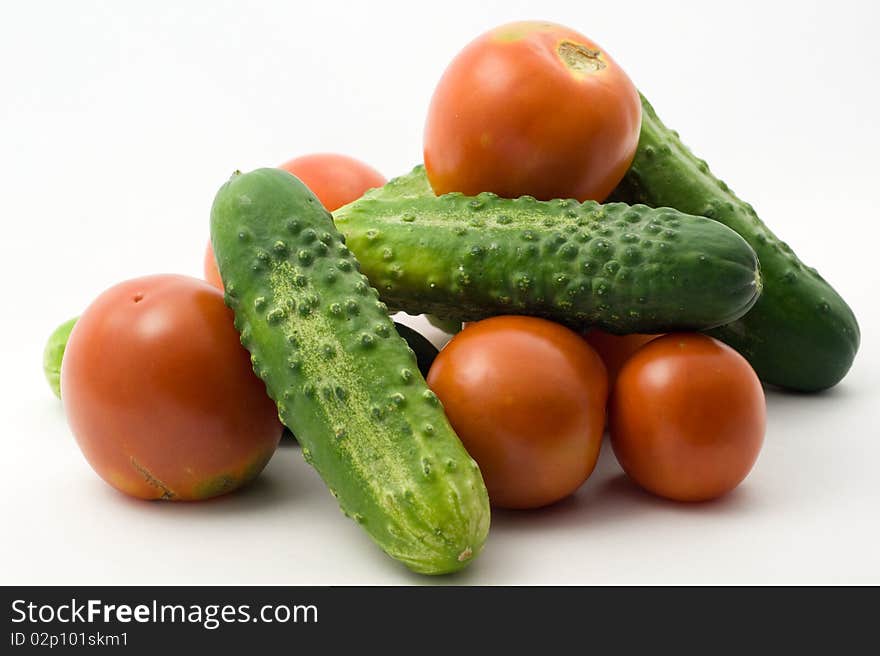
160, 394
532, 108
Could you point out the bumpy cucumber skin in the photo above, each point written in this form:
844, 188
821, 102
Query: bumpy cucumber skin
801, 334
414, 184
345, 382
619, 267
54, 353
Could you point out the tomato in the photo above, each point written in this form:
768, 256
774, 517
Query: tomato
532, 108
212, 273
527, 398
160, 394
335, 179
687, 417
615, 349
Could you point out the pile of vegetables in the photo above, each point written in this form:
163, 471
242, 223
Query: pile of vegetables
600, 272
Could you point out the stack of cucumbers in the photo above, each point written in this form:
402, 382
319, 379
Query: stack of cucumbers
312, 295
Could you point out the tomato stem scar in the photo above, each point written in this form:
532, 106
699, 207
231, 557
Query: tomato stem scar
579, 58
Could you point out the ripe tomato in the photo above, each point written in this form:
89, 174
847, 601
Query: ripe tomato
532, 108
615, 349
687, 417
212, 273
335, 179
160, 393
527, 398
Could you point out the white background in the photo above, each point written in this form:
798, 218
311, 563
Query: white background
118, 121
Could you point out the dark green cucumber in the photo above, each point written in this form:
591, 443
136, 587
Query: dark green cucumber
801, 334
446, 324
345, 382
622, 268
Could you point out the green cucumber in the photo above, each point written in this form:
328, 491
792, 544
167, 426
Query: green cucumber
345, 382
446, 324
801, 334
54, 353
414, 184
619, 267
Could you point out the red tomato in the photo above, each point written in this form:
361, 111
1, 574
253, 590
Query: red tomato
532, 108
687, 417
335, 179
615, 349
212, 273
527, 398
160, 393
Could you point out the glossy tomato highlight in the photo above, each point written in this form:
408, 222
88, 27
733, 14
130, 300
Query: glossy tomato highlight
160, 394
532, 108
687, 417
527, 398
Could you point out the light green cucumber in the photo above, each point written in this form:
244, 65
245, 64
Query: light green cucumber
54, 353
345, 382
622, 268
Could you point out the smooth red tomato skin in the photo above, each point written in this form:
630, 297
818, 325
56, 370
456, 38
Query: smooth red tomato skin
160, 394
511, 117
335, 179
687, 417
615, 349
212, 273
527, 398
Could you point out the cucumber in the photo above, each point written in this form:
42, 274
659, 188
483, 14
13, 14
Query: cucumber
801, 334
54, 353
446, 324
414, 184
622, 268
345, 382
